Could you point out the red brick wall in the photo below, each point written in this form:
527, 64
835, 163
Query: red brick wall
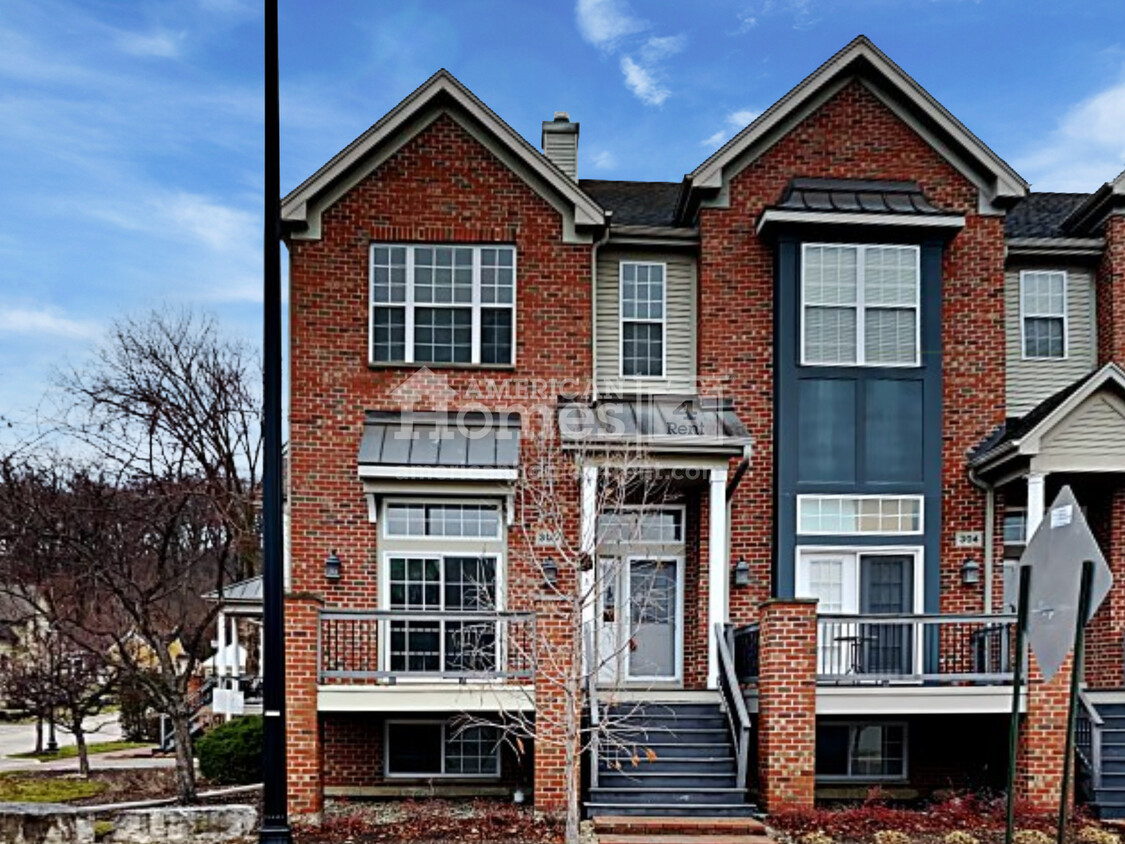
1105, 643
1043, 740
442, 186
1110, 302
852, 136
787, 705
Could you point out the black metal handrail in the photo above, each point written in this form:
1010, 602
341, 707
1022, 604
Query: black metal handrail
1088, 739
384, 645
738, 719
592, 701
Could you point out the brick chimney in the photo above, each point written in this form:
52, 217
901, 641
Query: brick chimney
560, 143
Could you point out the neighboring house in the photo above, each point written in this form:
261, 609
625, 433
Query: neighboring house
874, 351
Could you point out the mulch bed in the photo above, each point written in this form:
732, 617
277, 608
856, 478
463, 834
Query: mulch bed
429, 822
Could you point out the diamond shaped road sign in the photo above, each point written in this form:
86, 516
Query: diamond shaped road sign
1055, 555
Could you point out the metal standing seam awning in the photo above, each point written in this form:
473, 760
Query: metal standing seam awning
414, 445
695, 425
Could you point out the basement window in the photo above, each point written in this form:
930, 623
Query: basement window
441, 749
860, 751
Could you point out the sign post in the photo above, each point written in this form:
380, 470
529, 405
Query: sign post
1017, 684
1063, 580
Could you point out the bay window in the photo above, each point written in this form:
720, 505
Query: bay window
443, 304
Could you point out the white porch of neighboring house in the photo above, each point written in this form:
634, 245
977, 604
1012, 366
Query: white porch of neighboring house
237, 663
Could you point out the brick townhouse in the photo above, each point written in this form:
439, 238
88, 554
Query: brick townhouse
860, 352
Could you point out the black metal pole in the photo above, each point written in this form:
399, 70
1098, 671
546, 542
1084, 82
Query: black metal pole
1017, 683
275, 819
1075, 679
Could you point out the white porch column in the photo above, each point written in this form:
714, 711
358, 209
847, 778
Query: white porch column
221, 654
589, 509
1036, 482
261, 650
717, 574
236, 667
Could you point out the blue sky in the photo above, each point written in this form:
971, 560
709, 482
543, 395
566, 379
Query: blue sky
130, 133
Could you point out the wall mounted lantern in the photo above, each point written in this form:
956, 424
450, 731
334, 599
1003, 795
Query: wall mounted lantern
970, 572
332, 566
550, 571
741, 573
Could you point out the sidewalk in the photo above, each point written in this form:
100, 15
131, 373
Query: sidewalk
20, 738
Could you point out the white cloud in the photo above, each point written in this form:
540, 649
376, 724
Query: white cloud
1085, 149
747, 20
657, 49
643, 82
714, 141
736, 121
604, 160
44, 321
604, 22
165, 45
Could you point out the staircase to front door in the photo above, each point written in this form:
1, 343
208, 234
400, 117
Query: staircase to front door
661, 759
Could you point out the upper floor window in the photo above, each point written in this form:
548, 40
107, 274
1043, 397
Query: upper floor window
1043, 313
642, 320
443, 304
457, 521
860, 305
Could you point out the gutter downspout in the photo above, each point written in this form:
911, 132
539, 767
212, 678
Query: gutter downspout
989, 530
594, 306
739, 471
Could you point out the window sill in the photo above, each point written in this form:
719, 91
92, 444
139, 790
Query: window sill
486, 367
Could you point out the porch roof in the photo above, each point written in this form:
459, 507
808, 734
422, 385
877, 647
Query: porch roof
437, 442
661, 424
247, 591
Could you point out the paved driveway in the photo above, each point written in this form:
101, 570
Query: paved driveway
20, 738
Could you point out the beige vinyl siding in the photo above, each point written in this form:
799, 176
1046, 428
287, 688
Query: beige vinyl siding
1031, 381
679, 327
1096, 429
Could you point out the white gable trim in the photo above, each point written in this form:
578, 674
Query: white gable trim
306, 203
756, 138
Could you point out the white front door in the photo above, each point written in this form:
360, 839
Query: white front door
640, 636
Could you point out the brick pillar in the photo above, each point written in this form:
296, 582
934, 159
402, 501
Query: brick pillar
787, 704
555, 647
1110, 304
302, 729
1039, 762
1105, 637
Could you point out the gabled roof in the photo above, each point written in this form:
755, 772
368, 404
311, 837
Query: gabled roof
1041, 214
300, 210
1088, 216
635, 203
244, 591
861, 58
1031, 427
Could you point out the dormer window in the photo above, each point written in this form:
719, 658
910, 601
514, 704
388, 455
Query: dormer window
443, 304
859, 305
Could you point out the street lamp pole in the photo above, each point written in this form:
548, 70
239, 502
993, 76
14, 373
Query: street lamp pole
275, 819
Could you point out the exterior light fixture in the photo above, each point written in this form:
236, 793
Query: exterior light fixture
970, 572
550, 571
741, 573
332, 566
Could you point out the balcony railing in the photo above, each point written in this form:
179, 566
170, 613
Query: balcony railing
387, 645
863, 649
881, 649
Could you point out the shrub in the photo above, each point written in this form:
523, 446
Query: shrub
1097, 835
231, 754
891, 836
960, 837
817, 837
1031, 836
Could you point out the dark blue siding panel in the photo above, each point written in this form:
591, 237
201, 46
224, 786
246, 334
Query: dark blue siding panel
892, 431
826, 437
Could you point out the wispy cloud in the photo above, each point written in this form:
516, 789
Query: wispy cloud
642, 82
658, 49
605, 22
42, 321
159, 44
736, 121
803, 14
1085, 149
604, 160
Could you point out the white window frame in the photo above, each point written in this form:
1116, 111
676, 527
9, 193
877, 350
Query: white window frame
409, 305
861, 306
849, 777
803, 500
388, 503
1025, 316
622, 319
444, 724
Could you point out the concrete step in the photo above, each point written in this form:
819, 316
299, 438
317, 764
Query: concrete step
643, 778
683, 838
678, 825
676, 810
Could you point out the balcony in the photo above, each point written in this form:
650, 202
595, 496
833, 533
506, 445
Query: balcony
384, 646
880, 650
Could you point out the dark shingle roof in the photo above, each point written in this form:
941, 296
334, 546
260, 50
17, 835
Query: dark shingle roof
868, 197
635, 203
1041, 214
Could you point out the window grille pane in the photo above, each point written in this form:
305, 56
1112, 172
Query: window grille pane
844, 515
830, 275
406, 520
470, 583
826, 582
1044, 293
496, 335
642, 291
1043, 337
830, 335
443, 335
388, 340
643, 349
496, 276
472, 751
388, 274
890, 276
1015, 527
890, 335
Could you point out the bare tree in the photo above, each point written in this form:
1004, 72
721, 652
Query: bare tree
582, 591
